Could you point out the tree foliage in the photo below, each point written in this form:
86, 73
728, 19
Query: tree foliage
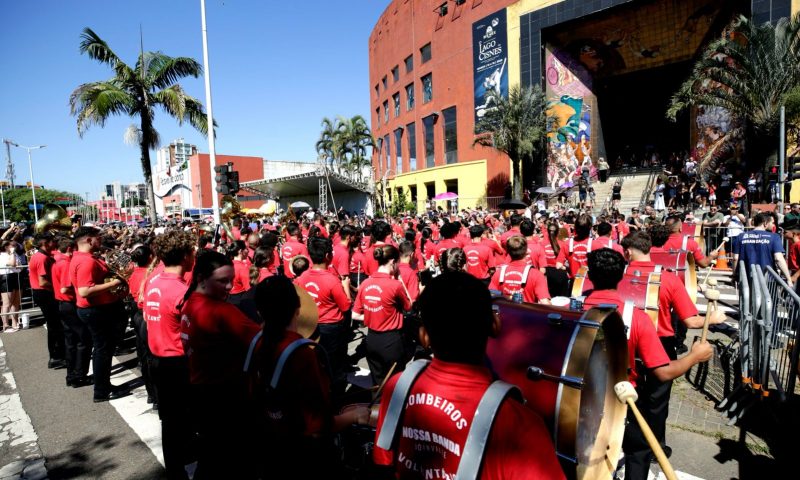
136, 92
516, 126
18, 201
343, 145
748, 71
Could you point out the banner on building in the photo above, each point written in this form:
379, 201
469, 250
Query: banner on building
490, 61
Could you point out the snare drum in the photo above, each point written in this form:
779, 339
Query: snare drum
588, 350
682, 265
356, 442
643, 289
581, 282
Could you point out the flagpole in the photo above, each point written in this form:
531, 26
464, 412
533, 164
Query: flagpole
211, 147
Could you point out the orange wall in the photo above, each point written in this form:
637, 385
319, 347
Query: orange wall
249, 168
404, 27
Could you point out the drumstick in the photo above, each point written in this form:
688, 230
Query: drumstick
712, 296
383, 383
714, 262
627, 394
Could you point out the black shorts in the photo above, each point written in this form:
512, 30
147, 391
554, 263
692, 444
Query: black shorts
9, 282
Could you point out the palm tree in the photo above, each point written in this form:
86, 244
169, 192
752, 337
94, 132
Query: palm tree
328, 146
136, 92
343, 144
748, 72
517, 126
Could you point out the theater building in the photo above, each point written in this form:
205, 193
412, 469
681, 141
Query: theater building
608, 69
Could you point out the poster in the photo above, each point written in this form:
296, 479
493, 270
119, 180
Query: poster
489, 60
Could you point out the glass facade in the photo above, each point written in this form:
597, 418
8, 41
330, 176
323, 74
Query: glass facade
427, 122
396, 101
450, 135
410, 97
398, 149
427, 88
425, 52
411, 135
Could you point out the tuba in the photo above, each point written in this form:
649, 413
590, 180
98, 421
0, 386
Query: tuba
230, 210
53, 218
118, 263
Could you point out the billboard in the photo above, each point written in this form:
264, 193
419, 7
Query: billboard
489, 61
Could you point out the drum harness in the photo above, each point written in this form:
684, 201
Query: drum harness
472, 458
525, 273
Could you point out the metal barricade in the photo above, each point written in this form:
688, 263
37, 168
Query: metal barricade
762, 311
745, 326
780, 342
27, 305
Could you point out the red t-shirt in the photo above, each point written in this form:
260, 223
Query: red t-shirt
135, 284
162, 295
370, 264
675, 242
508, 234
60, 274
793, 257
358, 261
276, 260
291, 249
479, 260
671, 296
622, 229
550, 254
87, 271
444, 245
341, 260
577, 258
643, 342
536, 255
436, 420
264, 273
328, 293
535, 288
216, 338
410, 279
241, 276
606, 242
41, 265
382, 300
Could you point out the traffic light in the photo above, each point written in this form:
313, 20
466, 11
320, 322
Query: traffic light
227, 179
794, 168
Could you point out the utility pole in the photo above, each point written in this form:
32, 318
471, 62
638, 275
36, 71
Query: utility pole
782, 158
212, 153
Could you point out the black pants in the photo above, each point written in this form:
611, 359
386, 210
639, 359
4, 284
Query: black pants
77, 342
45, 300
557, 282
333, 338
171, 378
143, 353
637, 451
384, 349
655, 396
103, 321
226, 432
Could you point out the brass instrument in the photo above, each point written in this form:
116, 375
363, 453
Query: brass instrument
53, 218
230, 209
118, 263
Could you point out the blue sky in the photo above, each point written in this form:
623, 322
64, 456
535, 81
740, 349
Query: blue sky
277, 68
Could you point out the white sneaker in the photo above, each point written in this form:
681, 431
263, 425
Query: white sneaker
10, 330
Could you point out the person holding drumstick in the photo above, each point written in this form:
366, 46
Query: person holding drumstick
645, 352
298, 414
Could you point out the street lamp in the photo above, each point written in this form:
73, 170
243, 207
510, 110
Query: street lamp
30, 168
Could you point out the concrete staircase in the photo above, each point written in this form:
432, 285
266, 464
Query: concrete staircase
632, 187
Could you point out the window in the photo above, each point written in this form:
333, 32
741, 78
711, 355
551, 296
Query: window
387, 151
429, 145
411, 135
409, 61
425, 52
410, 97
398, 147
380, 153
378, 115
384, 82
427, 88
450, 135
377, 90
396, 100
395, 73
386, 111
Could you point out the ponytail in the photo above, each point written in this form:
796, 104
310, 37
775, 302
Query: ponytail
384, 253
204, 265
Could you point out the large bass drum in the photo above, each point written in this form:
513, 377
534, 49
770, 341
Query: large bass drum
586, 355
682, 265
643, 289
581, 282
694, 231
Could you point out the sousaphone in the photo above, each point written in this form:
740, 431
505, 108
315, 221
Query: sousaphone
53, 218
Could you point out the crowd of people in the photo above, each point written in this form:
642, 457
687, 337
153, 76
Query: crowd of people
242, 392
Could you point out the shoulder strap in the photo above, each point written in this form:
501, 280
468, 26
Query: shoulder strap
391, 421
627, 316
287, 352
571, 244
251, 349
589, 245
685, 242
525, 273
472, 458
657, 269
502, 274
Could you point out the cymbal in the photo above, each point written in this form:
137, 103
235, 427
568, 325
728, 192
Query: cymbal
309, 315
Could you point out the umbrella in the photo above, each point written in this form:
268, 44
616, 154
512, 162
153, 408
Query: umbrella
446, 196
511, 204
567, 185
269, 207
300, 205
546, 190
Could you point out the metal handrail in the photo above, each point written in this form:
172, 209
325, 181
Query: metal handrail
648, 189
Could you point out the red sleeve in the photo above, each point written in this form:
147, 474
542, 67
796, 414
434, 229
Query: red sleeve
698, 254
562, 253
645, 341
679, 297
83, 275
541, 261
337, 291
341, 263
404, 300
357, 306
494, 284
536, 287
490, 260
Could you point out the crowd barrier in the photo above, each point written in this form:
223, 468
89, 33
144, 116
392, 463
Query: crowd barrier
780, 339
27, 305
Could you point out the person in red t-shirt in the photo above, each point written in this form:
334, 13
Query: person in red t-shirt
442, 401
621, 227
342, 254
480, 258
291, 248
406, 272
77, 339
792, 234
449, 232
40, 269
606, 269
515, 220
604, 239
142, 257
219, 340
297, 412
577, 247
169, 367
326, 289
98, 307
676, 242
535, 255
237, 252
380, 236
519, 277
380, 303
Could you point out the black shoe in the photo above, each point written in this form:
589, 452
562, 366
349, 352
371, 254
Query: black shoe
681, 349
111, 396
80, 382
56, 364
149, 400
155, 406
